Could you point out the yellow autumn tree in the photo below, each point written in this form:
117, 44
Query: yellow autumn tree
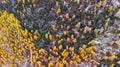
16, 43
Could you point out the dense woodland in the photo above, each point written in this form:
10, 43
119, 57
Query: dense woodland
59, 33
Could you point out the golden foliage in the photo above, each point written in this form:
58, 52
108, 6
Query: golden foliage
15, 42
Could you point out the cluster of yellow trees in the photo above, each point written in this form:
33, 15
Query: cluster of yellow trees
17, 44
